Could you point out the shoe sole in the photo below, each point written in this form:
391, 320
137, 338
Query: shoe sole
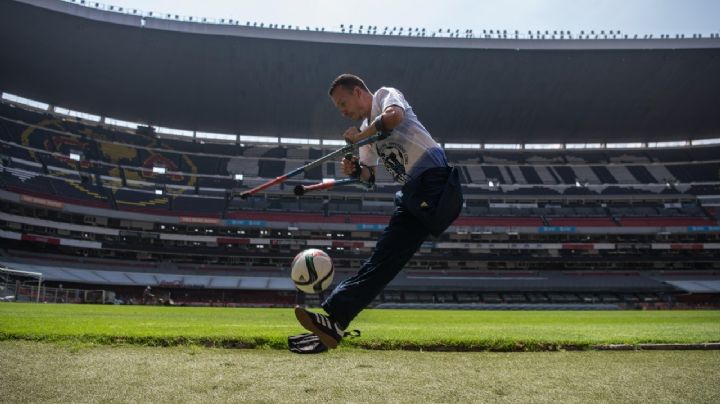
304, 319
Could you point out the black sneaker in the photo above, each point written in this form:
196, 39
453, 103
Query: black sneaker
329, 331
307, 343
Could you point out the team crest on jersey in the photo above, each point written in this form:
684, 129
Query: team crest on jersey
395, 159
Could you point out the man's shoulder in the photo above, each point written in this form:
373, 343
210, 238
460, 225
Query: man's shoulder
386, 90
389, 94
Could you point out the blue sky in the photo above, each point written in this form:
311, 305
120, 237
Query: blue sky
629, 16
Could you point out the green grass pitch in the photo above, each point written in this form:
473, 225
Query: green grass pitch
131, 354
381, 329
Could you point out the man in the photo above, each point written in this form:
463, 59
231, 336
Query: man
430, 199
147, 295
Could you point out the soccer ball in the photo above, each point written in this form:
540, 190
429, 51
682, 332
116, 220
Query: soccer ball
312, 271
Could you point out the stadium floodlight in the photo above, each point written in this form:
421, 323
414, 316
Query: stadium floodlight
76, 156
501, 146
259, 139
158, 170
171, 131
293, 140
583, 146
217, 136
463, 146
159, 191
25, 101
632, 145
239, 177
679, 143
701, 142
543, 146
121, 123
77, 114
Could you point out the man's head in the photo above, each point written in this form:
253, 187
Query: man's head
351, 96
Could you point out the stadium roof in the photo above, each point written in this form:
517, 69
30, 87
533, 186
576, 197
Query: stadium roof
258, 81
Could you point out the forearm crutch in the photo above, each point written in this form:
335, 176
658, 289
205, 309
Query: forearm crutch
301, 190
309, 166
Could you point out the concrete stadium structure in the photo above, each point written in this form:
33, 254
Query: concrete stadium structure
558, 226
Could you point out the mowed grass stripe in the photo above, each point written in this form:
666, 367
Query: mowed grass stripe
72, 373
382, 329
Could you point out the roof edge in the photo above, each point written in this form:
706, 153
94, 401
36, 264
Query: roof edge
369, 39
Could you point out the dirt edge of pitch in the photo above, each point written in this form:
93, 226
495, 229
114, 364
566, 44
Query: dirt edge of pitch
658, 347
541, 347
368, 345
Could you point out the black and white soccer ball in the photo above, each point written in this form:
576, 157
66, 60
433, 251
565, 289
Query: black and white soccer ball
312, 271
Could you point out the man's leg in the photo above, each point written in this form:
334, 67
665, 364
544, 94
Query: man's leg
401, 239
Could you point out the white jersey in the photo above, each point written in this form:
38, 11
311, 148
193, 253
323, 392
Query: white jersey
409, 150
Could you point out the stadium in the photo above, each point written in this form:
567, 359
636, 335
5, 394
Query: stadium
590, 162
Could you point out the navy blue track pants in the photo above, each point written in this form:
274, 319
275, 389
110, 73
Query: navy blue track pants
402, 237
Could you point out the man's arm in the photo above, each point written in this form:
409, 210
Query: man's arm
390, 118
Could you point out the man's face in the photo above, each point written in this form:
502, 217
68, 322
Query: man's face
348, 102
